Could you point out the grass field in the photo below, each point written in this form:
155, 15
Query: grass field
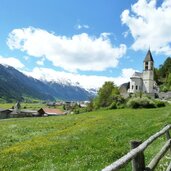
30, 106
85, 142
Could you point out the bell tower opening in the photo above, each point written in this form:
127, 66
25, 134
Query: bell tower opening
146, 66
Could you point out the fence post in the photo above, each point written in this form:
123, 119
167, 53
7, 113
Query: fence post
138, 163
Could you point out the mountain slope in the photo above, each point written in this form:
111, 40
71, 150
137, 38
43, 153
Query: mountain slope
16, 85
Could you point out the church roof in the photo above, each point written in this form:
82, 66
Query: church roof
137, 74
148, 57
125, 85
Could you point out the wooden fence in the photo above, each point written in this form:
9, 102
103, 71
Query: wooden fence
136, 155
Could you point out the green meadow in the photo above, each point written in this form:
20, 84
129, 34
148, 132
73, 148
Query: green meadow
82, 142
31, 106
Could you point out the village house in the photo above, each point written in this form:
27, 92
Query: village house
51, 104
17, 112
50, 112
23, 113
4, 113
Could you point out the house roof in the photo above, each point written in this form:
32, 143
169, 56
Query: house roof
28, 111
125, 85
137, 74
148, 57
2, 110
23, 111
53, 111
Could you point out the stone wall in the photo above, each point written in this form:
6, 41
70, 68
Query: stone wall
165, 95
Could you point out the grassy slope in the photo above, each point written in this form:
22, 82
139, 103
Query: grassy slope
77, 142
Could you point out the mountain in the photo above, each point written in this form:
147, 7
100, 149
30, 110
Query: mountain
14, 85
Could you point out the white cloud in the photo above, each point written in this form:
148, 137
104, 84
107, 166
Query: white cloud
105, 35
125, 34
149, 25
79, 52
11, 61
41, 61
85, 81
26, 58
84, 26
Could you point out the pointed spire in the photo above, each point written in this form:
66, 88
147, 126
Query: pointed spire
148, 57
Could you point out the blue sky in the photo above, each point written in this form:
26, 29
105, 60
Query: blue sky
85, 41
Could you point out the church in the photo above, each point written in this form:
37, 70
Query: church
144, 82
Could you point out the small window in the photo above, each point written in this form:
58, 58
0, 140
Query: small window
132, 87
136, 87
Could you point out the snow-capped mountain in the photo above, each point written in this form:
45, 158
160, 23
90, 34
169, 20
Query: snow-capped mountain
61, 77
16, 85
67, 82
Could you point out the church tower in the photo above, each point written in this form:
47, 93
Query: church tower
148, 73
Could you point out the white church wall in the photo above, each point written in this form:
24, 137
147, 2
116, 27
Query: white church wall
135, 85
148, 86
148, 82
148, 75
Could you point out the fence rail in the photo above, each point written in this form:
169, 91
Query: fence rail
136, 155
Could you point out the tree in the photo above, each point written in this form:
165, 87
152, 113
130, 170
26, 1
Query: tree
163, 75
169, 79
106, 94
165, 69
168, 82
90, 106
156, 75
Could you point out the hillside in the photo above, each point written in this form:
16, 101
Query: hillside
77, 142
14, 85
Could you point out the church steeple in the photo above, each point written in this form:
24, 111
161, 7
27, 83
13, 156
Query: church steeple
148, 61
148, 57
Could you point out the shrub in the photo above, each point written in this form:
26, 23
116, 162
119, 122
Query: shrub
141, 103
76, 111
113, 106
120, 102
89, 107
120, 106
159, 103
164, 88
